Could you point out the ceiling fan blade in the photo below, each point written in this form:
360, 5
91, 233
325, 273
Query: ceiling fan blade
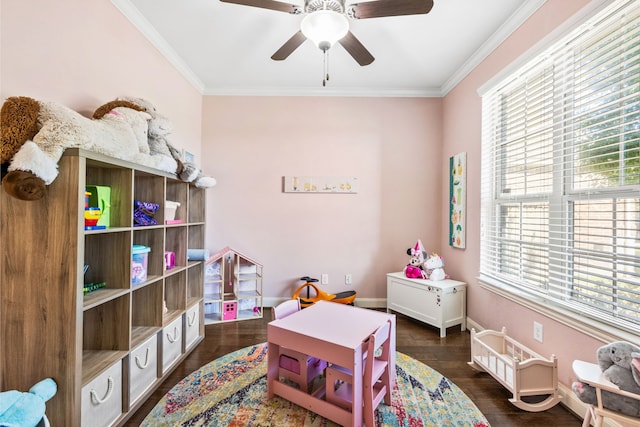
268, 4
290, 45
356, 49
381, 8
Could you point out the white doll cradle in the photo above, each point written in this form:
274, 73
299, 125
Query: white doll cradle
519, 369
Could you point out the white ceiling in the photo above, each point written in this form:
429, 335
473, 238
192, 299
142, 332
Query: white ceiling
225, 49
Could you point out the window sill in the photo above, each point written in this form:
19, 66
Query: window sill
583, 324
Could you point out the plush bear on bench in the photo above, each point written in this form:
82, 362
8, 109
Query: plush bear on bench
620, 364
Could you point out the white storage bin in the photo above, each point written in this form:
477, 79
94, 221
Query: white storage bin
143, 368
171, 343
102, 398
192, 322
170, 209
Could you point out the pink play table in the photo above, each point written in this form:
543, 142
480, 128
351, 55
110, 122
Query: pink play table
332, 332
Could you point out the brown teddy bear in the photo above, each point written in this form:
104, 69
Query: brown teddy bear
19, 123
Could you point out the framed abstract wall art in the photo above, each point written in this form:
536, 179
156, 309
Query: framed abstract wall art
457, 200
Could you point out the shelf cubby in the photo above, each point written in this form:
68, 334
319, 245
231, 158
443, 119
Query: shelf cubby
107, 257
196, 237
194, 284
178, 191
196, 205
176, 241
146, 312
105, 335
175, 295
106, 327
119, 180
149, 187
153, 237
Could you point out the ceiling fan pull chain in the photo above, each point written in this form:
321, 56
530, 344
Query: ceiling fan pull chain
326, 59
325, 73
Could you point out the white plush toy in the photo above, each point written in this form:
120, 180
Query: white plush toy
159, 145
435, 265
122, 134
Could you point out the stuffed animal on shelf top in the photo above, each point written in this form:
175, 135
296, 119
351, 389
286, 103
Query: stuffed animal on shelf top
26, 409
620, 364
40, 131
36, 133
435, 267
159, 145
415, 268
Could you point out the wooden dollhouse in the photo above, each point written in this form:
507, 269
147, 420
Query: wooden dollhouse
232, 287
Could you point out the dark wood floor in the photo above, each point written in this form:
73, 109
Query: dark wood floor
449, 356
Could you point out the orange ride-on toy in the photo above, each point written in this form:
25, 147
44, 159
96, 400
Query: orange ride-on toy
345, 297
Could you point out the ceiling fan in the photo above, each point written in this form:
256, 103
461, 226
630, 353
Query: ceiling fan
327, 22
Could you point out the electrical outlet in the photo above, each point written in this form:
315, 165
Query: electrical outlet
347, 279
324, 280
537, 331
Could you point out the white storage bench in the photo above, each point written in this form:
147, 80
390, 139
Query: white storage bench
519, 369
440, 303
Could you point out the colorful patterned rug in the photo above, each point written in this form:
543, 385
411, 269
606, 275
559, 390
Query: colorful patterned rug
232, 391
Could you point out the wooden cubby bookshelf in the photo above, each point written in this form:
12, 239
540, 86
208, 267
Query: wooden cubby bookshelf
94, 345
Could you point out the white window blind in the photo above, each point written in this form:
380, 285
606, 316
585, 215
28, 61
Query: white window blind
560, 196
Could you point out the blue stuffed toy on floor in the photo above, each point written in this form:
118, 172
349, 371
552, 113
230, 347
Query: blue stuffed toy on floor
26, 409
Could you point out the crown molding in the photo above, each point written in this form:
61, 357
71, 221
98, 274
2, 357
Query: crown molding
576, 20
144, 26
523, 13
326, 91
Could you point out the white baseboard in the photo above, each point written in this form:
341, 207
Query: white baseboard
569, 399
472, 324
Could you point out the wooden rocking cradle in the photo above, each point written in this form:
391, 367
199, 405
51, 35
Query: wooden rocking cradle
517, 368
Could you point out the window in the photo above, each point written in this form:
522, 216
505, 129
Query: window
560, 214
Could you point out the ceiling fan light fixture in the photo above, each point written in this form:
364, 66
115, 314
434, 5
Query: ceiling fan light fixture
324, 28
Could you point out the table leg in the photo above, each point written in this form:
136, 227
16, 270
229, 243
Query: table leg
392, 351
356, 389
273, 356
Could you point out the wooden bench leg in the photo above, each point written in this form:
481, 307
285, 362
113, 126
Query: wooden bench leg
587, 417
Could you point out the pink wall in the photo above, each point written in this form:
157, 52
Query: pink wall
391, 145
463, 105
85, 53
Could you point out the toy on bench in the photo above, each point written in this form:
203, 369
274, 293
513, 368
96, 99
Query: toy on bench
612, 386
346, 297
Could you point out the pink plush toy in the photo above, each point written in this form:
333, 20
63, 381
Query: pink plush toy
415, 269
